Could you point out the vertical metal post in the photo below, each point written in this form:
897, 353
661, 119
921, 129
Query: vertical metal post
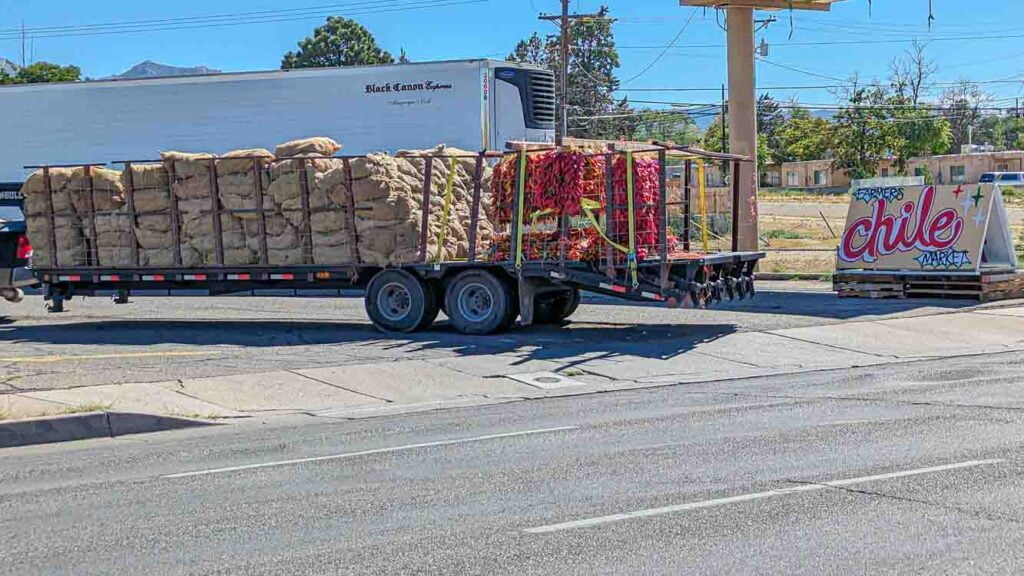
686, 205
428, 179
663, 215
218, 231
609, 211
565, 69
307, 224
474, 214
514, 238
130, 199
93, 253
261, 217
48, 187
172, 200
736, 186
350, 216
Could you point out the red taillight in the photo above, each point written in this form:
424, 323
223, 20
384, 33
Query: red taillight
24, 249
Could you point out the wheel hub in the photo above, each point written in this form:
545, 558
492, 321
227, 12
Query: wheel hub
394, 302
476, 302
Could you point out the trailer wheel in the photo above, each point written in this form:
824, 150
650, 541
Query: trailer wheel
479, 303
397, 301
552, 308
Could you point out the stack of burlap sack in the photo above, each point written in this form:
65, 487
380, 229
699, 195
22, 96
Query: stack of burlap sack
76, 240
369, 212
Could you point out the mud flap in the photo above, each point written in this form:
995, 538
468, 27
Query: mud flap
527, 294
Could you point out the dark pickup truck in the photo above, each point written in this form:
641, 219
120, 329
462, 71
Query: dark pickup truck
15, 250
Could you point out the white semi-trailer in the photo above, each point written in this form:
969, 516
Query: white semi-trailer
469, 104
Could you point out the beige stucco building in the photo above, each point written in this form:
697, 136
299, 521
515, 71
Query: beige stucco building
966, 168
945, 169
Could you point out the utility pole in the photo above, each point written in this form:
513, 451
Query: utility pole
725, 134
563, 21
23, 43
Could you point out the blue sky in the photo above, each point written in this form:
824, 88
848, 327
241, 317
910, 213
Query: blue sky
823, 45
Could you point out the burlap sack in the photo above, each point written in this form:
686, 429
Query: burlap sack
146, 177
185, 165
318, 145
70, 243
243, 161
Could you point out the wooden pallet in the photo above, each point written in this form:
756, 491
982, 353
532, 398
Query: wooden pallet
984, 287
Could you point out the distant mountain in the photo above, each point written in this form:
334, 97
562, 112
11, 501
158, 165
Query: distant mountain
150, 69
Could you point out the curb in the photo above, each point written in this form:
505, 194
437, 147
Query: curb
87, 425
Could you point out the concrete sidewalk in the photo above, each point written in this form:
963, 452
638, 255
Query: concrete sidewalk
374, 387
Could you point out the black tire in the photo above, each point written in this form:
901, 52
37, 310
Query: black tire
554, 307
397, 301
478, 302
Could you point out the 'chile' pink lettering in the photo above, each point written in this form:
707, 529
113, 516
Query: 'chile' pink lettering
881, 234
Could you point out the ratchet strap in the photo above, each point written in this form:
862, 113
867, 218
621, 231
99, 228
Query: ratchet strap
446, 214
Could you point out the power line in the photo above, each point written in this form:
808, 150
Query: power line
670, 45
841, 42
243, 21
201, 18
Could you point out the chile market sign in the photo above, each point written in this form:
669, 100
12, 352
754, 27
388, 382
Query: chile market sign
925, 229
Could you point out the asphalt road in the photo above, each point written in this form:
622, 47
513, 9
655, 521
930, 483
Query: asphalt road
908, 468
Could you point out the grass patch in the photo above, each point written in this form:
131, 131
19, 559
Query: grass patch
783, 235
573, 372
88, 407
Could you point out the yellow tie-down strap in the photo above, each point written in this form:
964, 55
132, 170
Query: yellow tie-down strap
442, 236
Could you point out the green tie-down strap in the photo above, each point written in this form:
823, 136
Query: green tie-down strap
521, 186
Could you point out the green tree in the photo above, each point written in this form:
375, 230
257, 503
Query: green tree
770, 121
593, 60
339, 42
41, 72
962, 107
917, 133
804, 137
712, 139
862, 133
668, 126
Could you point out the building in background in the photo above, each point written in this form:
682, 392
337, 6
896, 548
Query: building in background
965, 168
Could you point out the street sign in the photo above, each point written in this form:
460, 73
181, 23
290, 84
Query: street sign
927, 229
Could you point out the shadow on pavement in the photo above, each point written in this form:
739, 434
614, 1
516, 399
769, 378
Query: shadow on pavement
812, 304
548, 342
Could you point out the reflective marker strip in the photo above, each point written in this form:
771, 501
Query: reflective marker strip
73, 278
282, 276
194, 277
153, 278
613, 287
239, 276
652, 296
111, 278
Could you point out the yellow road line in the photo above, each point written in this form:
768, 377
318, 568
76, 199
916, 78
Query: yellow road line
58, 358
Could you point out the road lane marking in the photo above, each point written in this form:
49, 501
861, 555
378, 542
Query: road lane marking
747, 497
369, 452
58, 358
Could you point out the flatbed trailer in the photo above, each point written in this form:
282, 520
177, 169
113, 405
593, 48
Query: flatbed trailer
480, 295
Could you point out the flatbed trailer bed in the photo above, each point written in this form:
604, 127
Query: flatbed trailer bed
480, 296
